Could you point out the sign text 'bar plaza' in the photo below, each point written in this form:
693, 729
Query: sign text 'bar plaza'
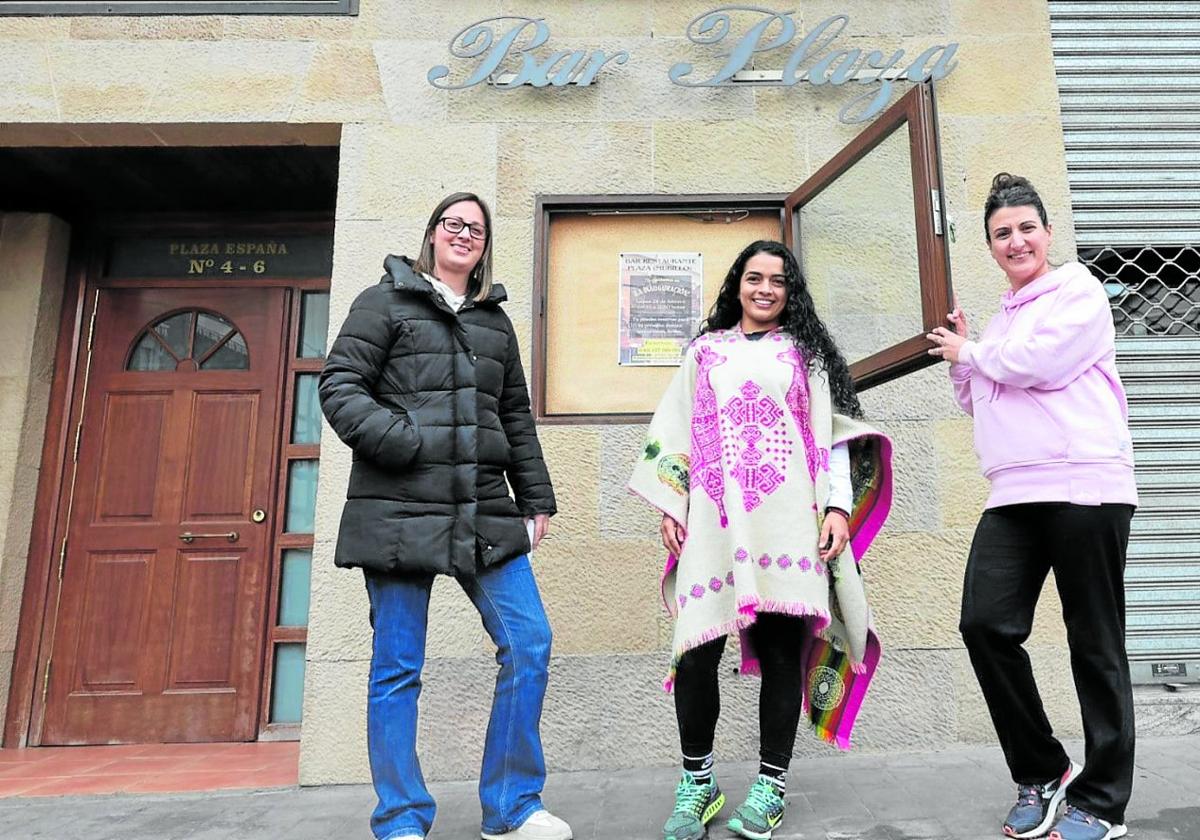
506, 55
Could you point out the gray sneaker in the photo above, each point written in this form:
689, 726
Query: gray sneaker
761, 813
1037, 805
1078, 824
695, 807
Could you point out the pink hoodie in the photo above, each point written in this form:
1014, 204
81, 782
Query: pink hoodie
1051, 421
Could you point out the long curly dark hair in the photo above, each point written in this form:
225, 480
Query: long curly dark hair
799, 319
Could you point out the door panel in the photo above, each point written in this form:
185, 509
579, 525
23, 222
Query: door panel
130, 453
159, 631
205, 620
115, 609
221, 444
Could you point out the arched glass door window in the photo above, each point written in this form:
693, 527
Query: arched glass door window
191, 340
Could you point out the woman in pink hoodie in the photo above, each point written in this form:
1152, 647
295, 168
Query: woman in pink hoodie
1052, 434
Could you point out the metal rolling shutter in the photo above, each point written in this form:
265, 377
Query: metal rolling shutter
1162, 579
1129, 89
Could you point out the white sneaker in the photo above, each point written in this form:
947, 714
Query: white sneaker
540, 825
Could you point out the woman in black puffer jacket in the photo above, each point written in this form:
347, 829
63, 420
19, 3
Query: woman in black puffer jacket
425, 385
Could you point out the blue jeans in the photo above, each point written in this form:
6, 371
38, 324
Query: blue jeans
513, 771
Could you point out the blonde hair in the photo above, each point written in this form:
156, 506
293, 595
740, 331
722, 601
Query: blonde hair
479, 283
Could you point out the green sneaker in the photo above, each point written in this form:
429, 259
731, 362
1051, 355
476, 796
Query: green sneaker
761, 813
695, 806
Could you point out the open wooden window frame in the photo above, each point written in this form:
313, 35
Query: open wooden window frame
916, 110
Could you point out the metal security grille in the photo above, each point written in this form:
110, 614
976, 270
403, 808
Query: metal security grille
1129, 89
1153, 290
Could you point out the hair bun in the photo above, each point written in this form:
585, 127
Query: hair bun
1005, 181
1011, 191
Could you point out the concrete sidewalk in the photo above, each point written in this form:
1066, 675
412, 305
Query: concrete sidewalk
958, 794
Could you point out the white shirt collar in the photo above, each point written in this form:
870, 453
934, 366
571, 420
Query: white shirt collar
453, 299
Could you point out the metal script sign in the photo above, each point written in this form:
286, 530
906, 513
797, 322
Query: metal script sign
811, 59
503, 49
485, 41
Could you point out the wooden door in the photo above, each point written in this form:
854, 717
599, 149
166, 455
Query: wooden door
160, 622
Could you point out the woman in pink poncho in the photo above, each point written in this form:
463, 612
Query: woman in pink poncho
770, 492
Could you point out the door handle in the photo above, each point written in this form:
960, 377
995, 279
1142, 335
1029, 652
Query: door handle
189, 537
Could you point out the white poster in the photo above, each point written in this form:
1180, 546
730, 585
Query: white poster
662, 295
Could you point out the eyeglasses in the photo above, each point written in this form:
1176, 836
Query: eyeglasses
453, 224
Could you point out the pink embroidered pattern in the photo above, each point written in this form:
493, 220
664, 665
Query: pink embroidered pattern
753, 419
823, 458
783, 561
698, 590
798, 403
706, 433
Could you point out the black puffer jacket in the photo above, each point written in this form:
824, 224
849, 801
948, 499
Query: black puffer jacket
435, 407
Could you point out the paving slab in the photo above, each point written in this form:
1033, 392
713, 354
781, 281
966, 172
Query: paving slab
956, 794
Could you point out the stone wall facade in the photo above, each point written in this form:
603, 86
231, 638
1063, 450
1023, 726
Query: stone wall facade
33, 264
405, 144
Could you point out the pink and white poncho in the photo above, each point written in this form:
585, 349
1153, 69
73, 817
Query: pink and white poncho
738, 452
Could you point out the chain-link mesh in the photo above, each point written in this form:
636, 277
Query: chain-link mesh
1154, 289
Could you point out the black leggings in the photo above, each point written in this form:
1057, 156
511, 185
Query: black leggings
778, 640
